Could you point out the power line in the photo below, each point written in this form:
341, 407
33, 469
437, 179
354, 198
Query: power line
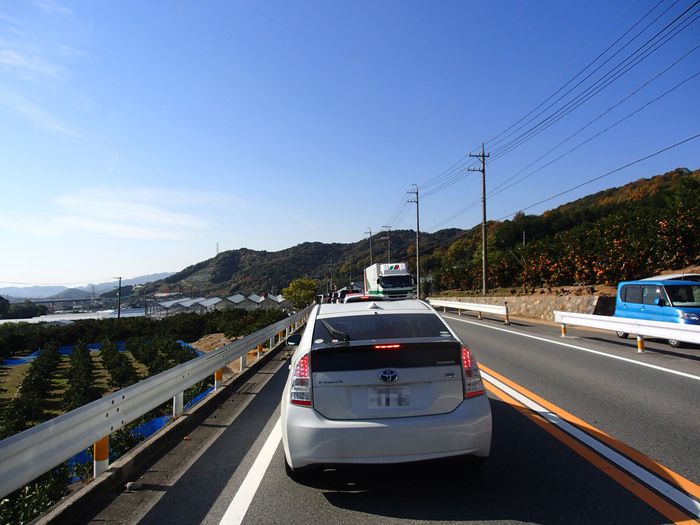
659, 97
490, 141
617, 71
620, 121
659, 152
457, 171
456, 237
589, 75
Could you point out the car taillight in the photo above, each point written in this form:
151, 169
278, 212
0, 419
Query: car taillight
301, 383
387, 347
472, 378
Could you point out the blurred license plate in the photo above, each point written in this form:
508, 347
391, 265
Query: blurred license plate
389, 397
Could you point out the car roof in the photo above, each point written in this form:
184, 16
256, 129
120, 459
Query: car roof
364, 308
674, 277
659, 282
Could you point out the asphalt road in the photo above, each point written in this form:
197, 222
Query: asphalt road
535, 473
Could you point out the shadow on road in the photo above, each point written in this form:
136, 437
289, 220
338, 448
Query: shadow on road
530, 477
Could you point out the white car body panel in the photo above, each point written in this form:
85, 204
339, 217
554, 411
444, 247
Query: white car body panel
438, 423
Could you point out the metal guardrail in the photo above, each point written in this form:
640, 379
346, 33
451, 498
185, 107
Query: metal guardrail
639, 327
29, 454
472, 307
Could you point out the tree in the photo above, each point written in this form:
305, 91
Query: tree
301, 291
4, 307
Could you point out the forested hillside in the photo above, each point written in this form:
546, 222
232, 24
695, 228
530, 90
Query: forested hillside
620, 233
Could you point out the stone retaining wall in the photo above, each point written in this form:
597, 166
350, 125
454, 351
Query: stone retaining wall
538, 306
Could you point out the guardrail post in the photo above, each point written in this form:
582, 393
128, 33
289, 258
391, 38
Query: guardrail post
444, 309
507, 318
242, 362
218, 378
272, 343
640, 344
178, 404
100, 452
563, 330
479, 315
258, 351
459, 312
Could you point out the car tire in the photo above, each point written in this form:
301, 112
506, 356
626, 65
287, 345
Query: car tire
302, 475
622, 335
473, 462
675, 343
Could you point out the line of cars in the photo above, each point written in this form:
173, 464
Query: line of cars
376, 381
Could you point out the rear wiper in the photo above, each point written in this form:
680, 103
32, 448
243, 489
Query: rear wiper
337, 334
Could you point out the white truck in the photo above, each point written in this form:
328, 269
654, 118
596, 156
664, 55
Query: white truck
391, 280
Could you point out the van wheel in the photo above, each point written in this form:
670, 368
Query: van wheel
621, 335
675, 343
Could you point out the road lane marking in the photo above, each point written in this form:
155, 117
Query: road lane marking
240, 503
582, 348
687, 485
575, 439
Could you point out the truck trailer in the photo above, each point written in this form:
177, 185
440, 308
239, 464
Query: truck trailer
391, 280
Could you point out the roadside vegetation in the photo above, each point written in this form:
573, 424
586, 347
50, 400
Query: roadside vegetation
58, 381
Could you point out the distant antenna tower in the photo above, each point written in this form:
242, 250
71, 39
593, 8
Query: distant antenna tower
217, 248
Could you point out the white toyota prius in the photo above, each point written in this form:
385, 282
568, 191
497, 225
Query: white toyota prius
384, 382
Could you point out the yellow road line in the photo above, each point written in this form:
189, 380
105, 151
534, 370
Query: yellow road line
660, 470
648, 496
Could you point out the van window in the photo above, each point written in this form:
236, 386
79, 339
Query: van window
649, 293
684, 294
631, 294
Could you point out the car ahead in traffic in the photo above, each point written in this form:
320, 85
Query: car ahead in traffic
379, 383
363, 298
343, 292
672, 301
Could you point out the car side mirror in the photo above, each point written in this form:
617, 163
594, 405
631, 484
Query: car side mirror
658, 301
294, 340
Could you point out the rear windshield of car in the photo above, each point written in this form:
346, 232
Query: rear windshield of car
382, 326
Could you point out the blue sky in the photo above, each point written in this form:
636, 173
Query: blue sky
137, 135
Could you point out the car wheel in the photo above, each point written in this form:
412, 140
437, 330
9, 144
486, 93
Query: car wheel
472, 462
621, 335
675, 343
299, 475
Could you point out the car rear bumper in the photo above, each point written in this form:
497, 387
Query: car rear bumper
309, 438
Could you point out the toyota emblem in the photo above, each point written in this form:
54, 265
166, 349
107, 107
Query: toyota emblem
388, 376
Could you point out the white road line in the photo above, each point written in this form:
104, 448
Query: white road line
680, 498
241, 501
583, 349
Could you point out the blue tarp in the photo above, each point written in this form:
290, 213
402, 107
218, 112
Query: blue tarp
142, 431
63, 350
187, 345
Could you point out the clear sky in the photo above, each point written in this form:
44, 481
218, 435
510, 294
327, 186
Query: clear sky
136, 135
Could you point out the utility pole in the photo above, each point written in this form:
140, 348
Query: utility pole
331, 268
415, 192
482, 156
371, 261
119, 298
388, 237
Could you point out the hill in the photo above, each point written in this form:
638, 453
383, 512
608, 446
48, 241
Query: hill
17, 294
250, 271
619, 233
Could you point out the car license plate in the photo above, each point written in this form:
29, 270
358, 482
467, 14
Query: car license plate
389, 397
